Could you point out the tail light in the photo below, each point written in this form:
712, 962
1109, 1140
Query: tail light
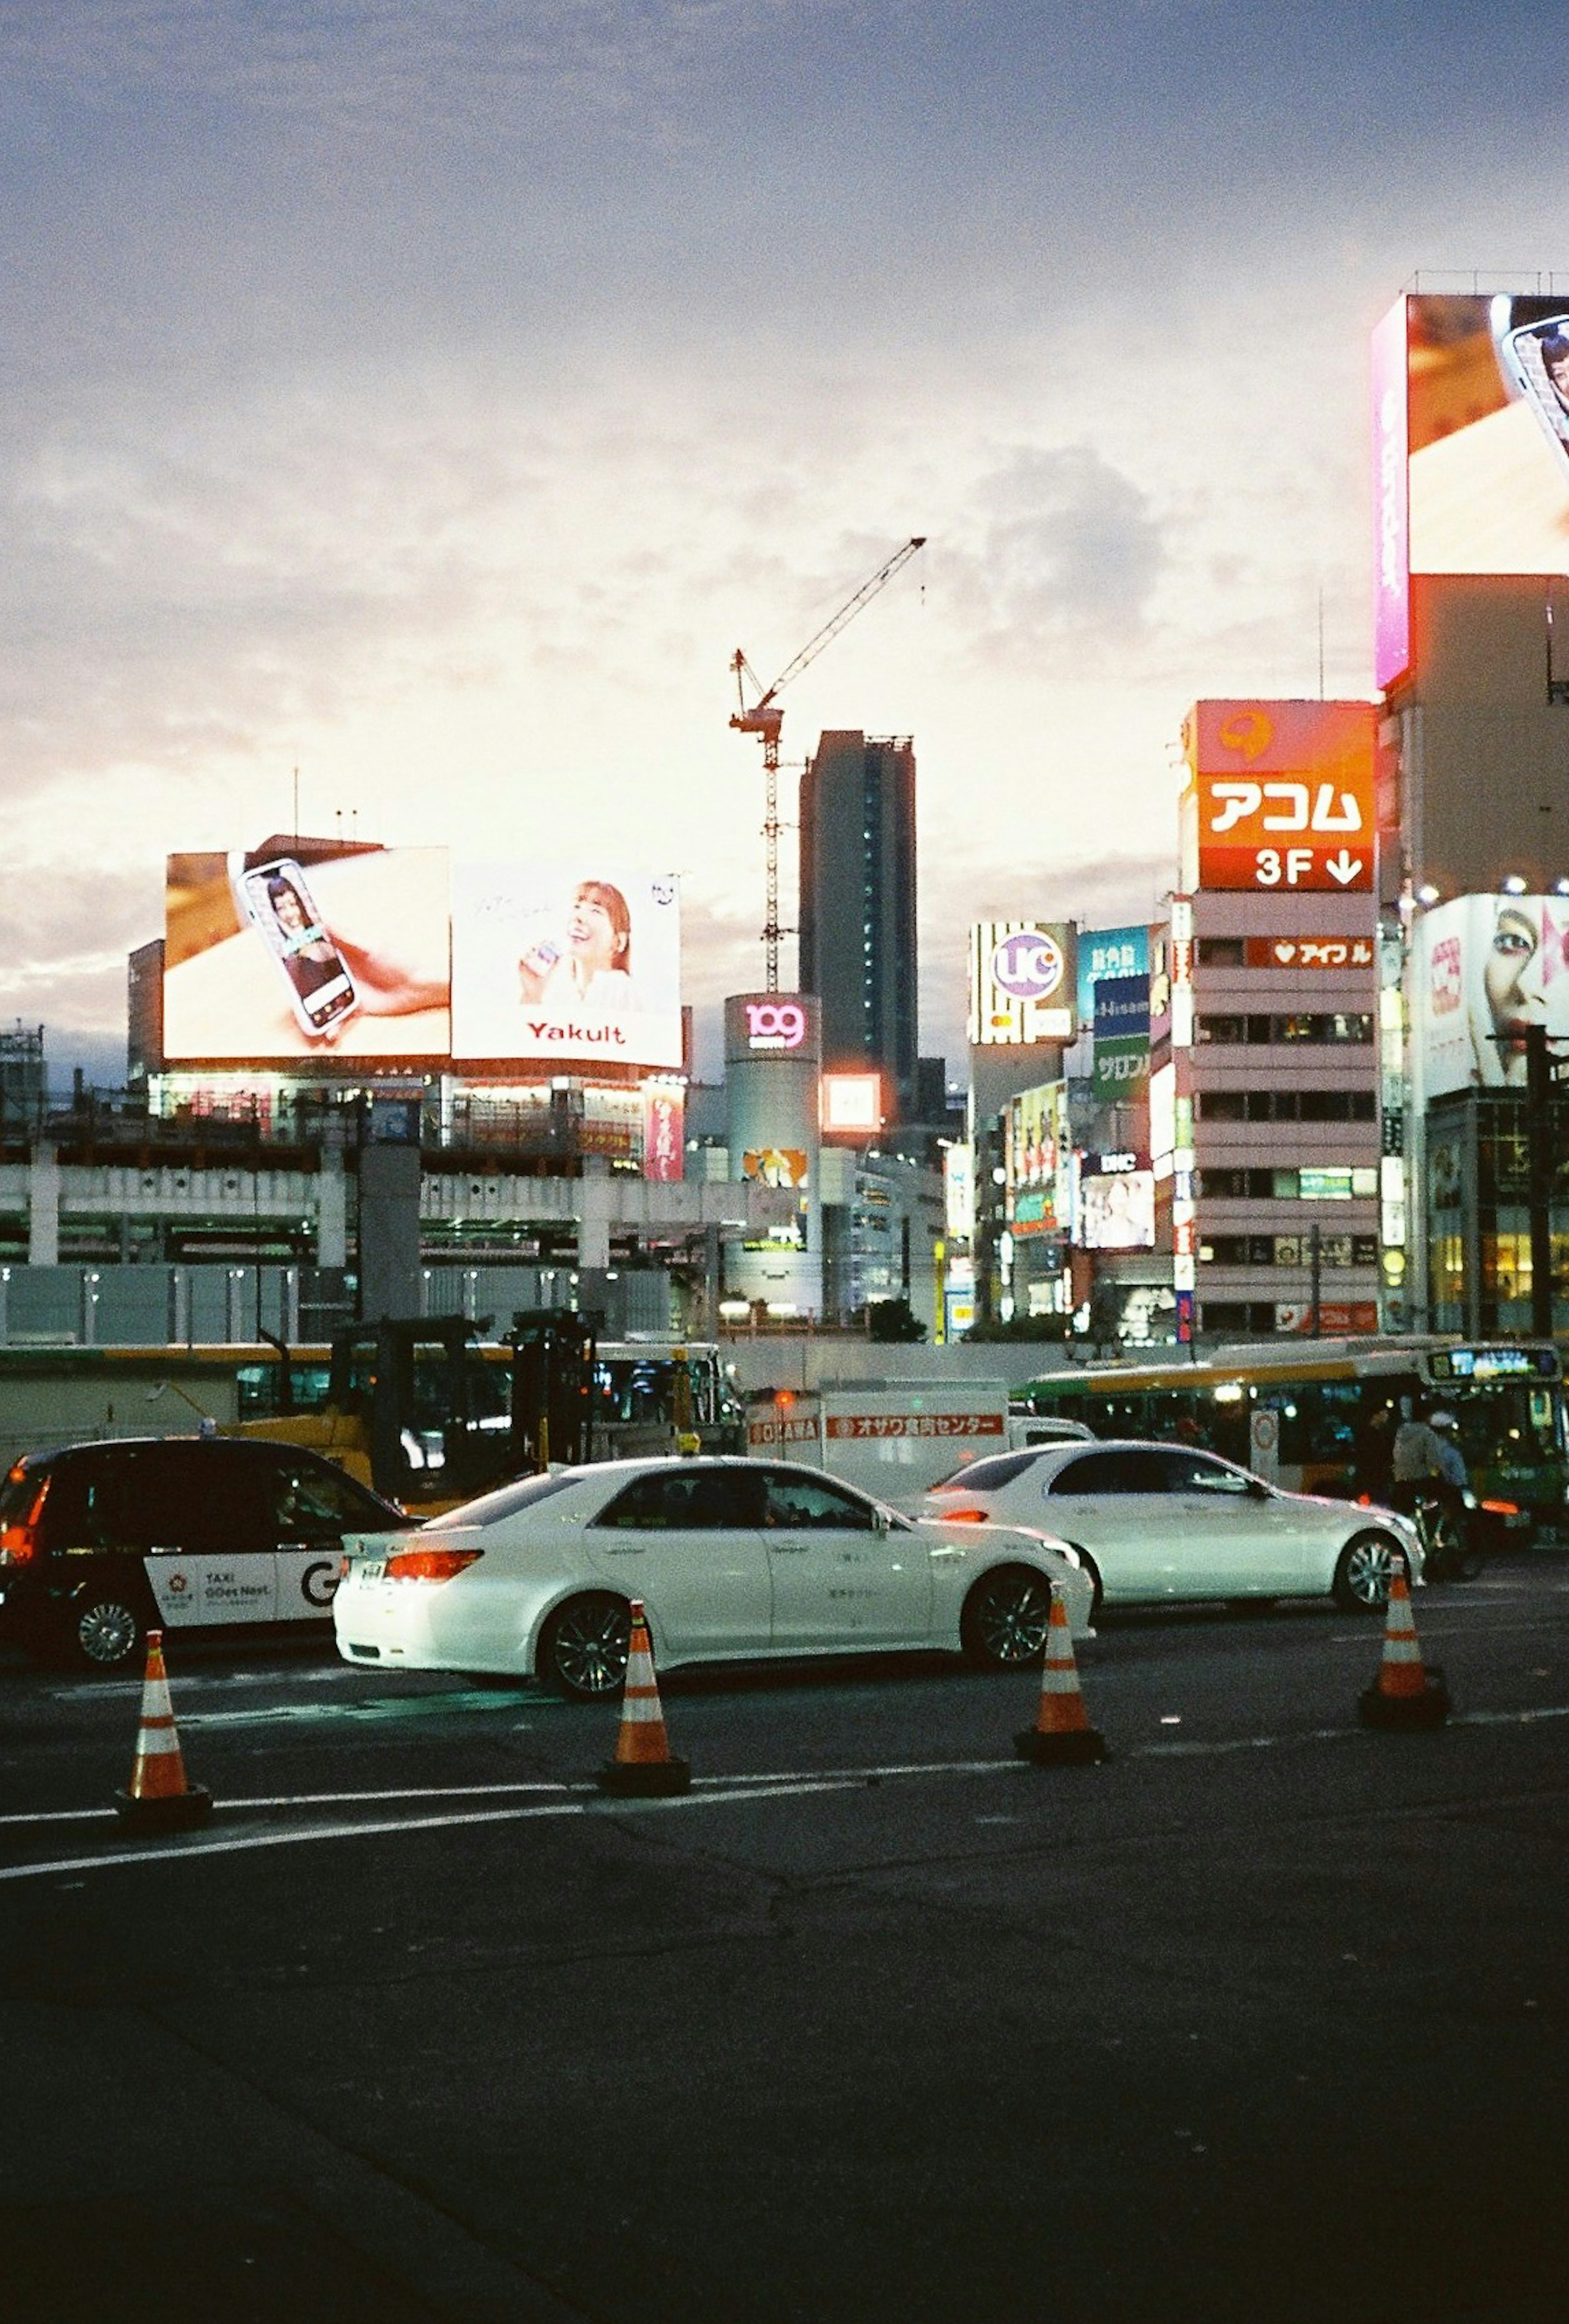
19, 1541
429, 1564
964, 1517
1502, 1508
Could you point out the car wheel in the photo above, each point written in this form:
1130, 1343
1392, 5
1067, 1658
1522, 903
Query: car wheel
1367, 1565
106, 1630
1005, 1619
583, 1647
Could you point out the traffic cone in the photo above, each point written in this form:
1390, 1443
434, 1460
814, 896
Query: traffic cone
1405, 1694
158, 1798
643, 1766
1061, 1735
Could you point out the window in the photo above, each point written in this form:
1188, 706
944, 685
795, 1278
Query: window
985, 1476
796, 1499
1192, 1472
316, 1502
687, 1499
1222, 952
1111, 1472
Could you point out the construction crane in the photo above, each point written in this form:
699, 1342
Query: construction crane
764, 717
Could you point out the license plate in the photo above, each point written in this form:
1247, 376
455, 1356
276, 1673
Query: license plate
370, 1569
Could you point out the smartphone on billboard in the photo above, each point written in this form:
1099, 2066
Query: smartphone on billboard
1535, 362
275, 899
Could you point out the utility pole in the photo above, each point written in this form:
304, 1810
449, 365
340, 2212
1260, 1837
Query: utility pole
1540, 1077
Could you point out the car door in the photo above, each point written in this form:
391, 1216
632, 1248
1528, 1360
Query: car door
201, 1515
312, 1506
1113, 1502
844, 1572
687, 1540
1239, 1540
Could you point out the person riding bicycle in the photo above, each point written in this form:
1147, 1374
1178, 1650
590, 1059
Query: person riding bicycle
1428, 1466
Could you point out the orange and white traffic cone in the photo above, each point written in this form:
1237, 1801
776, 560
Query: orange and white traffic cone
1406, 1692
158, 1798
1061, 1735
644, 1767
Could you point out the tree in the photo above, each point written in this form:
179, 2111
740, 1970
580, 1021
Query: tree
890, 1319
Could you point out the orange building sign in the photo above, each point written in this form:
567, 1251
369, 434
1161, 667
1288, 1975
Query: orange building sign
1284, 794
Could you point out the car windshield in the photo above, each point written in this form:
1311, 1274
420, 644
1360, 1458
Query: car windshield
493, 1508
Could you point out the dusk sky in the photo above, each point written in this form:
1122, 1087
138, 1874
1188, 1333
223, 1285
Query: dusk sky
432, 394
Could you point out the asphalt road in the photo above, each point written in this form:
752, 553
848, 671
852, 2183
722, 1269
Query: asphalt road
1263, 2019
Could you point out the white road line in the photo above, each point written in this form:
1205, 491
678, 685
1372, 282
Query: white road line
240, 1842
583, 1797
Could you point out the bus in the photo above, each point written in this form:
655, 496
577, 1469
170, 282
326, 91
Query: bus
644, 1396
1297, 1416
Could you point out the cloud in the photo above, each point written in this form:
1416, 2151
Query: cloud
1067, 552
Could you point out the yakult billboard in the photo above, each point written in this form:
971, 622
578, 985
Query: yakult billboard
1470, 448
392, 952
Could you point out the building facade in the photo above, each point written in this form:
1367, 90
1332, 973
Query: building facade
858, 951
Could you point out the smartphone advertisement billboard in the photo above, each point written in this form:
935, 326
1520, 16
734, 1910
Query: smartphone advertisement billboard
1023, 983
1487, 968
1280, 798
395, 952
1470, 448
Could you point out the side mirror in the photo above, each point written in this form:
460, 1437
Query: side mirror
879, 1522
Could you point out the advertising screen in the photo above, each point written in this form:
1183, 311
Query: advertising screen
577, 965
1039, 1161
391, 952
1284, 795
852, 1105
1117, 1210
1108, 953
1470, 447
1023, 983
1486, 968
268, 959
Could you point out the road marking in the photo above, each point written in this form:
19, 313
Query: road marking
583, 1797
373, 1708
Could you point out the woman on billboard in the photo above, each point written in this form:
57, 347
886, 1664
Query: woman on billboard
595, 970
1519, 977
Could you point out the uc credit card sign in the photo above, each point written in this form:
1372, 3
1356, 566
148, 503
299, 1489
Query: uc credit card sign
1284, 794
1023, 981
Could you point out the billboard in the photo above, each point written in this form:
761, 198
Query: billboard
1116, 1210
270, 959
1106, 953
393, 952
1039, 1161
1281, 797
578, 966
852, 1105
1023, 981
1470, 448
1486, 968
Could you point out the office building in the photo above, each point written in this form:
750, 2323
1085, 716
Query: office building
858, 907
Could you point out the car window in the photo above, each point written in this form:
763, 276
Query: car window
986, 1476
206, 1499
506, 1501
1191, 1473
313, 1501
685, 1499
798, 1500
1137, 1472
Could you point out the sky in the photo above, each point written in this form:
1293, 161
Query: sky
431, 395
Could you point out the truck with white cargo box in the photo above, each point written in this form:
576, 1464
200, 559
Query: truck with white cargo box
893, 1438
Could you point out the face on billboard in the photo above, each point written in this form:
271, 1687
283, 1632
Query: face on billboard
1489, 967
1285, 795
1470, 433
566, 967
1117, 1212
273, 959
